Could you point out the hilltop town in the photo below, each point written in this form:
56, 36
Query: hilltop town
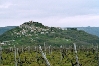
35, 33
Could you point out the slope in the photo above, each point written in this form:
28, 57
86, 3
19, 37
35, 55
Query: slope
91, 30
34, 33
4, 29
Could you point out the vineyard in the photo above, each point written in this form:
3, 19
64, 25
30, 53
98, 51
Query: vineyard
49, 56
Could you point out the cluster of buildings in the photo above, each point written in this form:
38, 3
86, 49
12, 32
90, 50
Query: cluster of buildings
30, 28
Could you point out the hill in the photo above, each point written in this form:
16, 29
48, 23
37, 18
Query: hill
4, 29
34, 33
91, 30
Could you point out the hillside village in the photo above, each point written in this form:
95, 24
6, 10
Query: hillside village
34, 32
29, 28
32, 28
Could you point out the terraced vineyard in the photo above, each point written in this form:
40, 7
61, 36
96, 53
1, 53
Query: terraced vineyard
57, 56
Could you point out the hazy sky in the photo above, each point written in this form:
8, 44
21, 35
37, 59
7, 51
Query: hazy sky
60, 13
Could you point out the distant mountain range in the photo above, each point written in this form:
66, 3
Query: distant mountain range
4, 29
91, 30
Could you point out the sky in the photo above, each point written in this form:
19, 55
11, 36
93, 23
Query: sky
55, 13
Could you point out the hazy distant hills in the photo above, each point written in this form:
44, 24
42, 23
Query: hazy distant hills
91, 30
4, 29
